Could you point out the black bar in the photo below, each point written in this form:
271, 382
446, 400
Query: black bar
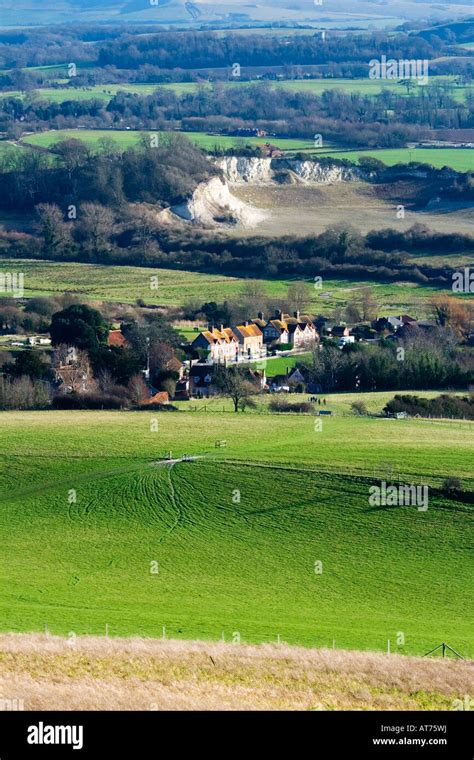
322, 734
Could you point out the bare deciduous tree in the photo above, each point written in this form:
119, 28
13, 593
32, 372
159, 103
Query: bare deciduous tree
56, 233
97, 224
232, 382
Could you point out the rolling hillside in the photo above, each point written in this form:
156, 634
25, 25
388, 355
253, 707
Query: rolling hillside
338, 12
236, 535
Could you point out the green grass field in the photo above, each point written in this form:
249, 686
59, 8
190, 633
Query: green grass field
461, 159
362, 86
238, 567
128, 138
126, 284
279, 365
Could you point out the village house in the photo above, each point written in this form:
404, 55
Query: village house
296, 378
182, 389
409, 328
200, 381
117, 339
250, 339
339, 331
38, 340
160, 397
223, 346
392, 323
276, 332
259, 321
175, 365
279, 383
298, 330
74, 377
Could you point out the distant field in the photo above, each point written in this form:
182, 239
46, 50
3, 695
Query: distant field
366, 86
128, 138
340, 404
103, 92
127, 284
461, 159
363, 86
233, 567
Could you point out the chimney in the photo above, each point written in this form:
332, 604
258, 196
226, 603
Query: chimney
260, 315
296, 315
246, 323
222, 328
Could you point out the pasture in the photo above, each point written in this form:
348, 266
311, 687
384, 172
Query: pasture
361, 86
96, 531
129, 138
461, 159
126, 284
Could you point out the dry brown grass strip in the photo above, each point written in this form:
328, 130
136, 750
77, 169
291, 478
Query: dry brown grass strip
48, 673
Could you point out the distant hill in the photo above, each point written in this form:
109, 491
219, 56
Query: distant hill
455, 31
376, 13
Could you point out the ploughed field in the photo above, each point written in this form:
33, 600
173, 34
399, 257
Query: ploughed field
269, 536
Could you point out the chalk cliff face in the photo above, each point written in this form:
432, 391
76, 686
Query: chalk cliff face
212, 204
239, 170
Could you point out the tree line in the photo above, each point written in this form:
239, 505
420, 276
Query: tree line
109, 47
388, 119
429, 360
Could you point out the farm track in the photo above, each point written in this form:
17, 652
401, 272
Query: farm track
89, 476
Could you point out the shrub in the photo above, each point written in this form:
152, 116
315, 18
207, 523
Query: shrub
89, 401
156, 408
444, 405
452, 485
23, 393
297, 407
358, 407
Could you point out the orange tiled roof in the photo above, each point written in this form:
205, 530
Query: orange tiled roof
209, 336
278, 324
214, 335
115, 338
249, 331
228, 334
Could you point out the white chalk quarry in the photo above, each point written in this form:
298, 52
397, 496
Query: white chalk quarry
241, 171
212, 204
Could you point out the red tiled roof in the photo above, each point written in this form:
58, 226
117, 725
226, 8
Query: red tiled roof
115, 338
